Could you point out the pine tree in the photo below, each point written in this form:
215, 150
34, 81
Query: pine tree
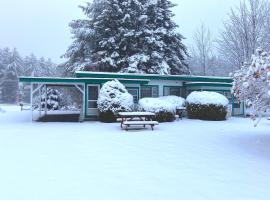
167, 52
53, 99
133, 36
10, 61
12, 65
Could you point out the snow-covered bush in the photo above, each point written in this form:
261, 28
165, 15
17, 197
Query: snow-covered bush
176, 101
163, 107
252, 84
113, 98
207, 106
53, 99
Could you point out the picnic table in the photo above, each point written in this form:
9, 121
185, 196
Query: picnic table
137, 118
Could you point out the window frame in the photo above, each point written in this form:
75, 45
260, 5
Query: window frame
150, 86
174, 86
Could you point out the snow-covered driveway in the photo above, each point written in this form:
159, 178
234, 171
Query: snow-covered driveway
188, 159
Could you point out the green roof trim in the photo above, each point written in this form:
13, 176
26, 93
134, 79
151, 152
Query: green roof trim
49, 80
217, 84
186, 78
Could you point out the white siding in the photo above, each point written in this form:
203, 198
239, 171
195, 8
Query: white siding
162, 83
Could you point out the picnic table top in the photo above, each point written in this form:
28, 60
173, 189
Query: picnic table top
132, 114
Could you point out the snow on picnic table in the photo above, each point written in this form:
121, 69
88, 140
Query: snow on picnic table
187, 159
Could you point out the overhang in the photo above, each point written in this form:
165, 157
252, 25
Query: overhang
71, 81
184, 78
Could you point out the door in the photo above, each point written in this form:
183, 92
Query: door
134, 92
93, 92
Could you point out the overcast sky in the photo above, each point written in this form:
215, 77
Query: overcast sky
41, 26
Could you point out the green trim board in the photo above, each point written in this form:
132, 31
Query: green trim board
189, 78
48, 80
189, 85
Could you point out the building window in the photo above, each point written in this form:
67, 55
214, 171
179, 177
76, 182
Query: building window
149, 91
173, 90
135, 93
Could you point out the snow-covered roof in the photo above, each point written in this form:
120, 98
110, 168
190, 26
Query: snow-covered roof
187, 78
202, 84
76, 80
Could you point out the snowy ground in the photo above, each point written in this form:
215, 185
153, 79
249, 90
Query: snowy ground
187, 159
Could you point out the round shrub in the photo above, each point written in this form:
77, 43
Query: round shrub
177, 102
207, 106
164, 111
107, 117
113, 98
164, 116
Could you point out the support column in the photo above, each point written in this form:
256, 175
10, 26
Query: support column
40, 99
83, 99
82, 114
45, 99
31, 101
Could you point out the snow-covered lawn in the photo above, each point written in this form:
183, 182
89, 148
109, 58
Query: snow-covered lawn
187, 159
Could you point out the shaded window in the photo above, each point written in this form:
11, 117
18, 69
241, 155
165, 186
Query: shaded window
149, 91
173, 90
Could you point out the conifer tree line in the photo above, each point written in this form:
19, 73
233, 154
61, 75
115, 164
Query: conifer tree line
130, 36
13, 65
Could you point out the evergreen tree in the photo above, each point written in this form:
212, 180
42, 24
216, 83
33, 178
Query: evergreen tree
133, 36
168, 53
10, 61
53, 99
12, 65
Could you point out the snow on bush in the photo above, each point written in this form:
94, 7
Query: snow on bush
176, 101
207, 106
53, 99
114, 97
207, 98
155, 105
163, 107
252, 84
166, 103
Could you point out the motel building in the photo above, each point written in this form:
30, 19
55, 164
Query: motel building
139, 85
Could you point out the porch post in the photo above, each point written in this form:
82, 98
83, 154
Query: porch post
82, 114
31, 100
45, 99
84, 106
39, 105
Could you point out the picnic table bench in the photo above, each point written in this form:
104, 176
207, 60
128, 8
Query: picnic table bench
129, 119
